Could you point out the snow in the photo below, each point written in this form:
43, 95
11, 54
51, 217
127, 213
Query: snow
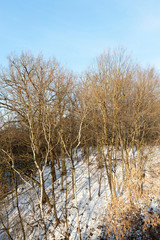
91, 212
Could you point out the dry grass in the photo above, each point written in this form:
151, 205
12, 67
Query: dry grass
140, 220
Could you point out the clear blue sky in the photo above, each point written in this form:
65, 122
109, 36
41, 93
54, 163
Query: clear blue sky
76, 31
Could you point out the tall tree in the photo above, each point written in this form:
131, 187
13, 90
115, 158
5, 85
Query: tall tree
30, 97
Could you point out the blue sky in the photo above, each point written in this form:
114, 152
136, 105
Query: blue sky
76, 31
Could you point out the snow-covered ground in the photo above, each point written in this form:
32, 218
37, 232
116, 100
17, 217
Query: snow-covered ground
92, 212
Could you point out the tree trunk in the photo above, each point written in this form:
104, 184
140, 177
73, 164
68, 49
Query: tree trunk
18, 209
53, 171
63, 173
100, 167
41, 204
100, 181
66, 211
111, 173
76, 203
73, 177
108, 175
89, 176
54, 200
127, 168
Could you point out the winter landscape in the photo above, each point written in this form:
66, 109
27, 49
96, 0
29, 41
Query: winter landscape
80, 120
92, 213
79, 156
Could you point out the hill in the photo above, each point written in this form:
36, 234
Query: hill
97, 216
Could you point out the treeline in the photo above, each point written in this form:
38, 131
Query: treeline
47, 113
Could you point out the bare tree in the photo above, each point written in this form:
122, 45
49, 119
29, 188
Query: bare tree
29, 96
